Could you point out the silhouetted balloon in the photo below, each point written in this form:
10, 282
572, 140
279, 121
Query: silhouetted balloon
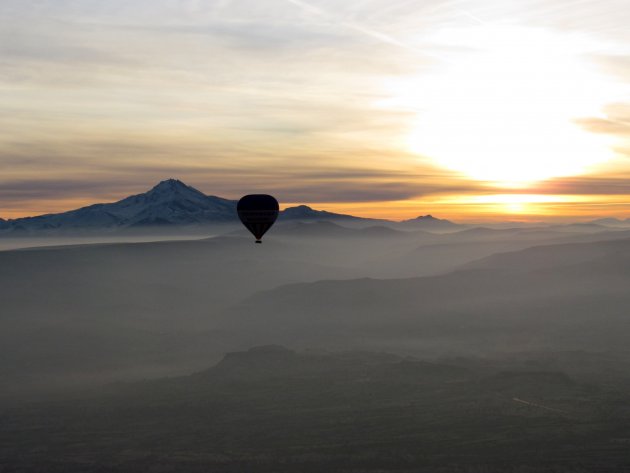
258, 212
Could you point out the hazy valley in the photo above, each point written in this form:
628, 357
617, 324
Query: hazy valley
414, 346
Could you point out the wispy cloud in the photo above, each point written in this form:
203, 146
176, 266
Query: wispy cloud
102, 99
585, 185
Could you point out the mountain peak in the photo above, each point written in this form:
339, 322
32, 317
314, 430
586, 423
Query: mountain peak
307, 213
170, 181
170, 202
171, 190
172, 185
427, 218
173, 202
430, 222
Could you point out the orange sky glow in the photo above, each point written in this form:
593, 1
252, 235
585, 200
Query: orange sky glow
480, 110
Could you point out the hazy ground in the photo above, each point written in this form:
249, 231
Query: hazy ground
272, 409
34, 242
518, 338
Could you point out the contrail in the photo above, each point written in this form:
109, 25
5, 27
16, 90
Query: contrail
353, 26
466, 13
382, 37
454, 6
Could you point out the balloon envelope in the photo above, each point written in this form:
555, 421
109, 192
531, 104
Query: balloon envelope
258, 212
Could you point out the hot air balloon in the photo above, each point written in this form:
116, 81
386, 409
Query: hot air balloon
258, 212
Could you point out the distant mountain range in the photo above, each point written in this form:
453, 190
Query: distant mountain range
611, 222
304, 212
560, 297
429, 222
171, 203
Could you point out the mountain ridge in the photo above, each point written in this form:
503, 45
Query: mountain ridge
429, 222
170, 203
507, 293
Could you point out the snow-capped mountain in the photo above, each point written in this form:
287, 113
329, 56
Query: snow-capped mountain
171, 202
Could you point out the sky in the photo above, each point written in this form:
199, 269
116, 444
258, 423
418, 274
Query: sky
470, 110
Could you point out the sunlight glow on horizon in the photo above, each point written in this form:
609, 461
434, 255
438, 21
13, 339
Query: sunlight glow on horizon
386, 108
486, 208
506, 111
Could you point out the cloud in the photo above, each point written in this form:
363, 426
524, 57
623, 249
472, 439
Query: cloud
584, 185
103, 99
72, 181
361, 191
617, 121
21, 190
252, 36
616, 65
603, 125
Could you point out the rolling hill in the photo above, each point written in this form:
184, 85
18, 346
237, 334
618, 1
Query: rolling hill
571, 296
271, 409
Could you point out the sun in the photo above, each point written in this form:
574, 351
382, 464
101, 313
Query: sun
504, 107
